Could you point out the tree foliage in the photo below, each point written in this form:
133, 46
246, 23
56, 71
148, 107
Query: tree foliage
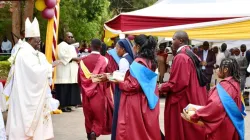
5, 20
84, 18
119, 6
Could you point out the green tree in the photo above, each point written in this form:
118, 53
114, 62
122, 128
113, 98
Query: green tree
5, 20
119, 6
84, 18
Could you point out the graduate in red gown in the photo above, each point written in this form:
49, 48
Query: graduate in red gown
136, 120
97, 107
111, 67
182, 88
217, 123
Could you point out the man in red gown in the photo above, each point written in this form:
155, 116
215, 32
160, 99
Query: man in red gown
182, 88
96, 98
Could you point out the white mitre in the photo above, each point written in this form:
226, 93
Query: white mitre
32, 29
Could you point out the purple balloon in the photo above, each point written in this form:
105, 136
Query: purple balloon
50, 3
48, 13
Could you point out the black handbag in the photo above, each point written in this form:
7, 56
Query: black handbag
203, 80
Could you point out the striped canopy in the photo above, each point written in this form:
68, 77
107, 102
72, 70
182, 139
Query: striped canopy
228, 20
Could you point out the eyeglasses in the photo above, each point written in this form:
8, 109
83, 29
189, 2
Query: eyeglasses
70, 37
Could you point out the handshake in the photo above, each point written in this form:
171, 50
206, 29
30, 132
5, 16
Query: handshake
115, 77
56, 63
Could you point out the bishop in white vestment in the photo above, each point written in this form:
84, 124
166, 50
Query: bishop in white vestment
29, 113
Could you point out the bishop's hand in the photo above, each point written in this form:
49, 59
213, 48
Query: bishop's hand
56, 63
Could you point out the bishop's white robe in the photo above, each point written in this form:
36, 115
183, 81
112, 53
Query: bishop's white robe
2, 128
29, 113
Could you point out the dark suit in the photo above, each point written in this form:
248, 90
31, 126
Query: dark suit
243, 64
211, 60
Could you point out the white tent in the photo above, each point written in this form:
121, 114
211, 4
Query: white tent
195, 8
202, 19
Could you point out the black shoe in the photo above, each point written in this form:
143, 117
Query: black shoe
92, 136
69, 108
66, 110
88, 135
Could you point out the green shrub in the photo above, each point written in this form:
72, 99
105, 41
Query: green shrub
4, 57
4, 69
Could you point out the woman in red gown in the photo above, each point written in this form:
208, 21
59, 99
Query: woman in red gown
217, 123
136, 121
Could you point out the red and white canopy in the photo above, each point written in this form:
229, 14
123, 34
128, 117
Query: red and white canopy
200, 20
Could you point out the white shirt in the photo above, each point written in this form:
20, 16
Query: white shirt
181, 48
123, 64
220, 56
6, 45
205, 53
96, 52
244, 54
227, 53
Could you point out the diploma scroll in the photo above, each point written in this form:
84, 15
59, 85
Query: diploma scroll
188, 120
189, 111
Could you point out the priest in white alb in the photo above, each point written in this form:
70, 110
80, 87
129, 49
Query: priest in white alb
29, 115
66, 80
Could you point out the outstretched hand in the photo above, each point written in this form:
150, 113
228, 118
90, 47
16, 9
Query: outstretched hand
77, 59
159, 87
56, 63
103, 78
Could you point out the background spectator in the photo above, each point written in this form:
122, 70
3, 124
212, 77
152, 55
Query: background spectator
208, 60
6, 45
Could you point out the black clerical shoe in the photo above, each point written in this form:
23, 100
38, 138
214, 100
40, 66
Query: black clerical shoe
69, 108
92, 136
66, 110
88, 136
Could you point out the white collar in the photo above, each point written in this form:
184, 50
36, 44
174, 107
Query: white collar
28, 46
125, 54
95, 52
181, 48
237, 56
205, 50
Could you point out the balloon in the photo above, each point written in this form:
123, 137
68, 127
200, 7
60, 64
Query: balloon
48, 13
50, 3
40, 5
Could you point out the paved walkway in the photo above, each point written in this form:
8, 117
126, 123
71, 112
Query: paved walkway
70, 126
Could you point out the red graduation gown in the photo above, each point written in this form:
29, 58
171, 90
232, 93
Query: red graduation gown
135, 120
218, 125
96, 97
111, 67
182, 88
